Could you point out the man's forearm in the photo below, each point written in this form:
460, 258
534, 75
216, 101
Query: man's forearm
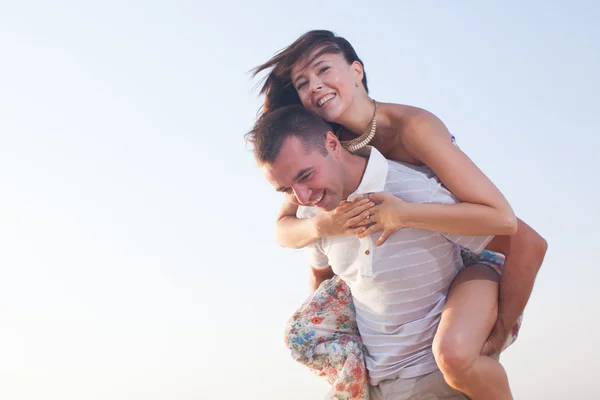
317, 276
524, 251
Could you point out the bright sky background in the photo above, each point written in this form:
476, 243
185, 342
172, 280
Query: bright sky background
136, 234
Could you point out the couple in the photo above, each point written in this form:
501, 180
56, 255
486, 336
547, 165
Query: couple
420, 268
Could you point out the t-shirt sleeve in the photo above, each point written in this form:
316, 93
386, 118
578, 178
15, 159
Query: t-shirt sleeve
439, 194
316, 256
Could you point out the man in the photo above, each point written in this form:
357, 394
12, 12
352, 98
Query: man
399, 288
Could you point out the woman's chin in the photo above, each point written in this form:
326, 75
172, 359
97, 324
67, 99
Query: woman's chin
329, 112
331, 115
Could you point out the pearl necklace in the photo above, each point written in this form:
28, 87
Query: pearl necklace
364, 139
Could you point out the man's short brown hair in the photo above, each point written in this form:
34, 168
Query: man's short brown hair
272, 129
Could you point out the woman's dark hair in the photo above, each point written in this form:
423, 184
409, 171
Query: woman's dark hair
278, 88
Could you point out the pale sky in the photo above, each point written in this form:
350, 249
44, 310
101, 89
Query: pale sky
136, 233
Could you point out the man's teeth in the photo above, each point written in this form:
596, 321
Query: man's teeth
325, 99
319, 199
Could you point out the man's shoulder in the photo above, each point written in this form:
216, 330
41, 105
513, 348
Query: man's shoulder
398, 168
411, 183
416, 184
307, 212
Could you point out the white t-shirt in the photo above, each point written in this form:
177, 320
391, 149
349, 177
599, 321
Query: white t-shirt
399, 288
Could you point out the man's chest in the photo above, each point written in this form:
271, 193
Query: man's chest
409, 258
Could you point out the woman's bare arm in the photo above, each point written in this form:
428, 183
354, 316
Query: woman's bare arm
296, 233
483, 211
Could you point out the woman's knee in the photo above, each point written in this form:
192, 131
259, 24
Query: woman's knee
455, 357
470, 313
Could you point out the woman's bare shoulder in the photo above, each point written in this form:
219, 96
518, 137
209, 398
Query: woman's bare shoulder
400, 120
403, 115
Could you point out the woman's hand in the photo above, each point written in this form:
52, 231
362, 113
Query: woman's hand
389, 214
348, 218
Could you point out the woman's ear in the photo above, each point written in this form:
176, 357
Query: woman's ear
358, 71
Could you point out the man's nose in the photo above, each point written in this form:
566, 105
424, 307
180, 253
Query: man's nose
302, 194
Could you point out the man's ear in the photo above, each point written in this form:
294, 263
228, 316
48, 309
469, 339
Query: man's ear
332, 144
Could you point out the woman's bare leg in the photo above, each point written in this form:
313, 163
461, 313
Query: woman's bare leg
468, 318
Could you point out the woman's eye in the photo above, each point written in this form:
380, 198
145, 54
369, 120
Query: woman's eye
323, 69
300, 86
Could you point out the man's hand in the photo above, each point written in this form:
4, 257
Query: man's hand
524, 251
495, 342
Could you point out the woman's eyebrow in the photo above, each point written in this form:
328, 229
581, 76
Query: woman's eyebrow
311, 66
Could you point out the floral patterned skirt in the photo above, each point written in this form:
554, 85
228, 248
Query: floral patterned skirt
323, 335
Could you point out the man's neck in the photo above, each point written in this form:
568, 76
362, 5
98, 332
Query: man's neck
354, 167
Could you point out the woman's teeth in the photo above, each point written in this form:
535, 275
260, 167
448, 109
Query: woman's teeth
325, 99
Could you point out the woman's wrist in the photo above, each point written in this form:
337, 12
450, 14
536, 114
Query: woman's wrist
406, 215
317, 226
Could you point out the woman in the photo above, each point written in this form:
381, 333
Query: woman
323, 72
